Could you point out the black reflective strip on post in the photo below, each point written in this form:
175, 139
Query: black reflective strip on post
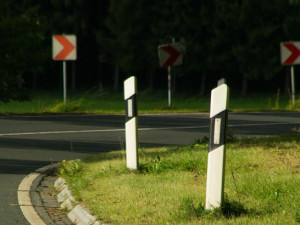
131, 107
218, 128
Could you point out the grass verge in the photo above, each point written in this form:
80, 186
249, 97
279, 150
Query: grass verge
148, 102
261, 184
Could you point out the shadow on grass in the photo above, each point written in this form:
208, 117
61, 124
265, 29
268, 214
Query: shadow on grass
232, 208
228, 209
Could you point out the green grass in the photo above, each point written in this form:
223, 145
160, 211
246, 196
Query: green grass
148, 102
261, 184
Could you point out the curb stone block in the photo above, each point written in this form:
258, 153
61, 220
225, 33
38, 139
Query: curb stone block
97, 223
68, 203
59, 184
63, 195
61, 188
78, 214
81, 216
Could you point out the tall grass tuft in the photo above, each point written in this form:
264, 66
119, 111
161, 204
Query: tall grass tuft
193, 210
69, 107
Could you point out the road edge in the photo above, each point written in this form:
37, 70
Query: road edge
31, 205
24, 194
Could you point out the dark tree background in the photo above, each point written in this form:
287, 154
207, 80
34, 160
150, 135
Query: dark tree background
238, 40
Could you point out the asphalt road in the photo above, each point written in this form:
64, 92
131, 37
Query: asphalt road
28, 143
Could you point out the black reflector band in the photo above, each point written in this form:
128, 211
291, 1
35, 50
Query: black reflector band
131, 107
217, 135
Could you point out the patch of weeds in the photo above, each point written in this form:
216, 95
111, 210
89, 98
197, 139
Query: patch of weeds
190, 211
200, 141
296, 130
70, 106
277, 99
69, 168
112, 171
294, 106
155, 166
230, 137
183, 162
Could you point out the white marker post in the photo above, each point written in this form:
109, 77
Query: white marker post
216, 152
131, 132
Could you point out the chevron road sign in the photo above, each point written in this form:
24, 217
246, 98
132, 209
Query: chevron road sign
64, 47
290, 53
170, 55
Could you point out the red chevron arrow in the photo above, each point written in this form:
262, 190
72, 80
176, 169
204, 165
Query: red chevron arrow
295, 53
173, 55
68, 47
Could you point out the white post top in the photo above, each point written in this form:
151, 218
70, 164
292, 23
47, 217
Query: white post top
129, 87
219, 99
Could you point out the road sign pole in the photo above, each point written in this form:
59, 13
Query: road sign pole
169, 87
170, 82
216, 152
65, 81
293, 84
131, 131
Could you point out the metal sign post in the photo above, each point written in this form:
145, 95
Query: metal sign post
169, 88
131, 131
65, 81
216, 152
293, 84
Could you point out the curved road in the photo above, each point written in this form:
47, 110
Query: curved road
30, 142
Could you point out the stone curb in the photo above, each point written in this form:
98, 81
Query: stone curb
78, 214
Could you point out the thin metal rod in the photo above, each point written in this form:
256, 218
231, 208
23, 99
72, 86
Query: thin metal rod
65, 81
293, 84
169, 87
170, 82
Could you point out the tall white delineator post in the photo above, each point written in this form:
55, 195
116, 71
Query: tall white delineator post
216, 152
131, 131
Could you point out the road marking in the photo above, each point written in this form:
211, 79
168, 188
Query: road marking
262, 124
60, 132
24, 200
140, 129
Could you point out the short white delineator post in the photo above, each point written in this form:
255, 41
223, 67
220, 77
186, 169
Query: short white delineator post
131, 131
216, 152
